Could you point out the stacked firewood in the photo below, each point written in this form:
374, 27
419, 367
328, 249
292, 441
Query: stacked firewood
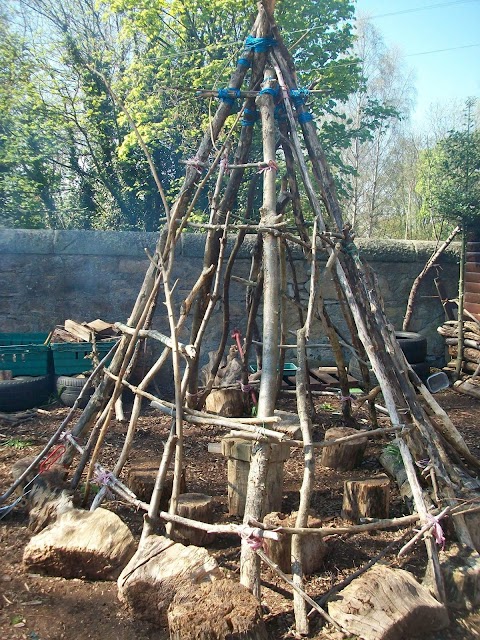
471, 342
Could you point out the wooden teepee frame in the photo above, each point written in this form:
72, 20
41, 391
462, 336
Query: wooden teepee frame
272, 84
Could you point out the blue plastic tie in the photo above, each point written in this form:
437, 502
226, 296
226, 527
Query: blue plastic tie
224, 95
269, 91
299, 96
243, 62
259, 45
280, 112
253, 114
305, 116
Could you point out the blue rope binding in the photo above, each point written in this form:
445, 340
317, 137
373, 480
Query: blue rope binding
259, 45
305, 116
269, 91
280, 112
243, 62
252, 114
299, 96
224, 95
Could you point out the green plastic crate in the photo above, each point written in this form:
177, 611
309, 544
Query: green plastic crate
289, 368
71, 358
25, 354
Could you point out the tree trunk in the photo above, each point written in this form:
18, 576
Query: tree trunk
249, 561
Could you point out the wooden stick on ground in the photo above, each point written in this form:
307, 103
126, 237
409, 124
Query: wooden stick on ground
301, 592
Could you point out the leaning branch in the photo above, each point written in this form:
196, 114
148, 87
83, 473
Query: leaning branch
430, 262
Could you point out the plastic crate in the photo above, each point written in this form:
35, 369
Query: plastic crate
289, 368
71, 358
25, 354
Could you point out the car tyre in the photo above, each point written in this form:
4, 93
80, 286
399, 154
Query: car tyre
69, 388
413, 345
24, 392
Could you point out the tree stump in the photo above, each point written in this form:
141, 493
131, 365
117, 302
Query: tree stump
160, 568
219, 610
195, 506
343, 456
229, 403
141, 480
280, 551
239, 453
387, 604
461, 572
369, 498
93, 545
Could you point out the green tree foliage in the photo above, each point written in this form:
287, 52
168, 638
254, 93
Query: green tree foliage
28, 179
449, 178
154, 55
376, 111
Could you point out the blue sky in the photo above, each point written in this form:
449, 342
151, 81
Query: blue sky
435, 38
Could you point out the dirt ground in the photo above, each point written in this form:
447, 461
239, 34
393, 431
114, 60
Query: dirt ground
34, 607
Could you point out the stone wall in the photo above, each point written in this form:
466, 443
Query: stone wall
49, 276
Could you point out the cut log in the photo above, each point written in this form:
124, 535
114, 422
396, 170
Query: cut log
159, 569
344, 456
468, 388
468, 325
461, 570
78, 330
467, 367
472, 355
93, 545
196, 506
392, 462
280, 551
387, 604
451, 332
239, 453
101, 328
220, 610
141, 480
468, 342
472, 520
369, 498
229, 403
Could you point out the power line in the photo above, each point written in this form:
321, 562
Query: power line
426, 8
424, 53
312, 29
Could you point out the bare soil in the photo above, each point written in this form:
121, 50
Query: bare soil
40, 608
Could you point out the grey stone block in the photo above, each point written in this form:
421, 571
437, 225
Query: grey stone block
26, 241
106, 243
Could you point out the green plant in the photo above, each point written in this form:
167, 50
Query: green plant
326, 406
17, 443
17, 621
393, 452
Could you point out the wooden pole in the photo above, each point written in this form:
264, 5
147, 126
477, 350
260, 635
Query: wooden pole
301, 618
249, 563
461, 296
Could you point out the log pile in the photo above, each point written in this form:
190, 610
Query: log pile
471, 351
